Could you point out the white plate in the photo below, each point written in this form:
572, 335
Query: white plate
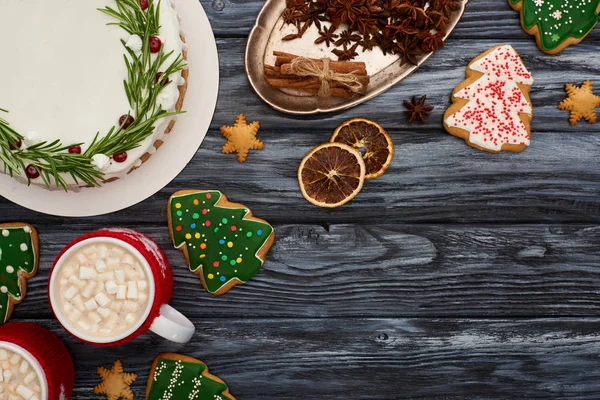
179, 148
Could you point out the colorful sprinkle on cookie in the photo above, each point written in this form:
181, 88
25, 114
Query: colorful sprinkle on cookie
491, 109
222, 241
18, 263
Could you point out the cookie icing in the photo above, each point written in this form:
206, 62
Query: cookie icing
220, 241
558, 20
176, 379
17, 257
495, 101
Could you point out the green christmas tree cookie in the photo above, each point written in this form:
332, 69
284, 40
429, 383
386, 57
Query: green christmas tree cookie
557, 24
177, 377
18, 262
222, 241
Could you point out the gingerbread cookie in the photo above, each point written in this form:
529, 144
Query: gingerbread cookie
115, 382
241, 138
491, 109
222, 241
174, 376
582, 103
557, 24
18, 263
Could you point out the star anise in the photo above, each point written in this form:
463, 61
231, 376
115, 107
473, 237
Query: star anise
346, 38
346, 11
431, 42
368, 43
290, 16
408, 49
438, 20
416, 109
447, 7
346, 54
313, 16
328, 36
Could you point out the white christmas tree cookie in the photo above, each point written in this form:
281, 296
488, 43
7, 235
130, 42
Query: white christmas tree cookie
491, 109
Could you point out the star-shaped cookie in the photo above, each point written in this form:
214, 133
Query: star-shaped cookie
115, 382
581, 102
241, 138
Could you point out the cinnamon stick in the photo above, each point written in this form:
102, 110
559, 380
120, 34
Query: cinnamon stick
343, 67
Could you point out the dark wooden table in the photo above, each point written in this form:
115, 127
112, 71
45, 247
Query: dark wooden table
457, 274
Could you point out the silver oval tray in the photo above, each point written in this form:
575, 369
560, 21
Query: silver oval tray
258, 42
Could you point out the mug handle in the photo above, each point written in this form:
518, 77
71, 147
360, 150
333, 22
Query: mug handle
172, 325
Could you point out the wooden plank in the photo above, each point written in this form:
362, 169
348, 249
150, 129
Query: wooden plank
387, 271
482, 19
375, 358
435, 177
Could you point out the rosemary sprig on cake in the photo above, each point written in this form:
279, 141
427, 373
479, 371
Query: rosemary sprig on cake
148, 72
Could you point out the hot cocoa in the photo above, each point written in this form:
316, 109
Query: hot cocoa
102, 290
18, 377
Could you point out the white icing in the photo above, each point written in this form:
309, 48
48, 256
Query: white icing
495, 101
69, 97
101, 162
134, 43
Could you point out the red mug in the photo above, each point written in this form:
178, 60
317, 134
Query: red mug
108, 287
34, 363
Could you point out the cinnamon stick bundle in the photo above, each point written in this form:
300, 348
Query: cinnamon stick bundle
340, 78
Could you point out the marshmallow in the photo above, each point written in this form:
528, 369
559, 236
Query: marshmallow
89, 250
86, 273
81, 258
142, 296
105, 312
120, 275
116, 305
76, 314
94, 317
84, 325
7, 375
24, 392
29, 377
105, 331
129, 306
15, 359
94, 328
23, 367
3, 354
91, 305
102, 299
107, 276
116, 252
132, 291
121, 293
74, 281
112, 262
63, 282
102, 252
131, 274
142, 285
130, 319
100, 266
111, 322
111, 287
1, 379
89, 289
127, 259
71, 292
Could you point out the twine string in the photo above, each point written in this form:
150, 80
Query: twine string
302, 66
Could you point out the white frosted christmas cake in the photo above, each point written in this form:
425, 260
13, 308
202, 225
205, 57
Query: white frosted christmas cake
90, 87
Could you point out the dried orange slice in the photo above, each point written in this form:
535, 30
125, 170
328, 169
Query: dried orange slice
331, 175
371, 140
